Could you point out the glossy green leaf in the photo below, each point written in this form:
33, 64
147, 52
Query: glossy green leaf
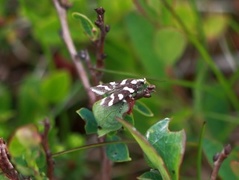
117, 152
55, 87
106, 116
153, 174
148, 149
169, 45
143, 109
90, 121
170, 145
87, 25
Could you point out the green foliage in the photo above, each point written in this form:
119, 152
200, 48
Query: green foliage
91, 124
31, 105
151, 153
169, 145
216, 102
152, 39
56, 86
88, 27
117, 152
152, 174
143, 109
106, 116
169, 45
143, 44
25, 150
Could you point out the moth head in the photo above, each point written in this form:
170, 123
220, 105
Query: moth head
144, 89
149, 90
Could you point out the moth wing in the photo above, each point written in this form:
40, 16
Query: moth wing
102, 89
111, 87
115, 98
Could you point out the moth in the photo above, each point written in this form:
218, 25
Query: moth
127, 90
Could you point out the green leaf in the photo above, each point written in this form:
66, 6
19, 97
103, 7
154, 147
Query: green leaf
55, 87
31, 105
87, 25
129, 118
142, 41
169, 45
91, 124
45, 31
152, 175
186, 14
215, 25
106, 116
148, 149
117, 152
75, 139
215, 101
169, 145
24, 147
15, 147
143, 109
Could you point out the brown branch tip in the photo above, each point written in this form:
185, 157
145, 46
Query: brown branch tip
46, 148
6, 165
218, 160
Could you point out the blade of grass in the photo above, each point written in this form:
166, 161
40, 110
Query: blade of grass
199, 155
90, 146
222, 117
202, 70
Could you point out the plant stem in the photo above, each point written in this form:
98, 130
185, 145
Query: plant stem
45, 145
62, 14
218, 160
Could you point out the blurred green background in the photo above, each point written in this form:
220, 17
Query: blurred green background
188, 49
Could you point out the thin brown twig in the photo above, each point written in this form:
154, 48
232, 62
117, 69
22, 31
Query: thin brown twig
45, 145
6, 165
106, 164
218, 160
62, 14
104, 29
100, 57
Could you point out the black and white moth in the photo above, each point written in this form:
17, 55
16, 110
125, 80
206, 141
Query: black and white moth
127, 89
